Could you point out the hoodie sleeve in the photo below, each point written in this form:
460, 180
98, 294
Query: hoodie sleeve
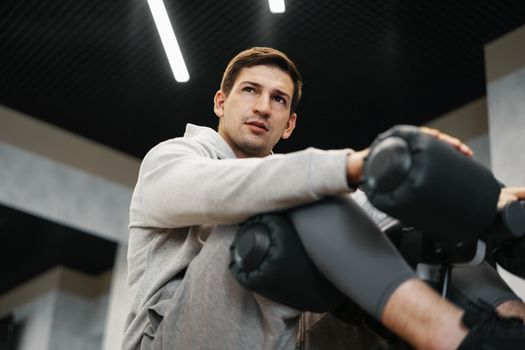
181, 185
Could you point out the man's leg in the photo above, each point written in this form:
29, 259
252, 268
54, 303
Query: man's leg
362, 262
422, 317
485, 283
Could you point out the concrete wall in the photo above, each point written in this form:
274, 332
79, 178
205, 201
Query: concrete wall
470, 124
505, 71
36, 319
86, 197
507, 126
120, 302
59, 176
60, 309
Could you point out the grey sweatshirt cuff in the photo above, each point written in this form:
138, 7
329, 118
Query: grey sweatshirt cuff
328, 171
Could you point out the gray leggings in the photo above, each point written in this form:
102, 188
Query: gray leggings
347, 246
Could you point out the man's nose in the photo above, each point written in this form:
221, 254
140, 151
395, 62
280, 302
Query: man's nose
262, 105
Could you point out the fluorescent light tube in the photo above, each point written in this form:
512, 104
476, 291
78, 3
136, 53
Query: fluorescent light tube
167, 36
276, 6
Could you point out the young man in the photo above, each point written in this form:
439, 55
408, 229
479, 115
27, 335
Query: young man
192, 193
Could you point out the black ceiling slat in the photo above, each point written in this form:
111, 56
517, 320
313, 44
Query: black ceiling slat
47, 67
13, 35
70, 85
43, 51
8, 9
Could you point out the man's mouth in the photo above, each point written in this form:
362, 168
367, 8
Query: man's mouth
258, 125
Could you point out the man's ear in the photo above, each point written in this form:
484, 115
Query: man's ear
218, 103
290, 125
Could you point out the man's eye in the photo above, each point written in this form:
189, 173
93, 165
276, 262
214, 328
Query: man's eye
279, 99
248, 89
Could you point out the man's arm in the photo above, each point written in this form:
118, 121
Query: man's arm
180, 186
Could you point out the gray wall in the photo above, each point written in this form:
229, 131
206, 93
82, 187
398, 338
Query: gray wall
60, 309
506, 97
53, 174
505, 71
61, 193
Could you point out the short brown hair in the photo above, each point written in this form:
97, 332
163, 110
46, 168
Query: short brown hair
262, 56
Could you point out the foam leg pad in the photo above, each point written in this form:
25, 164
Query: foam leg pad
269, 259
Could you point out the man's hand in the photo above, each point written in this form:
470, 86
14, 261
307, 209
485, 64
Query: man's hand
454, 142
509, 194
354, 167
355, 161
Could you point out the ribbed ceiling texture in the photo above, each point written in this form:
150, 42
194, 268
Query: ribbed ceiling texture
98, 68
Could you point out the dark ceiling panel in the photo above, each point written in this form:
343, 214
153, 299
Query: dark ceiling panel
97, 68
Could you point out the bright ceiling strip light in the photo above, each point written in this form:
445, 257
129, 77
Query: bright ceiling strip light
276, 6
167, 36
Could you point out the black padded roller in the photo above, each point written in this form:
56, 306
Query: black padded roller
508, 232
269, 259
427, 183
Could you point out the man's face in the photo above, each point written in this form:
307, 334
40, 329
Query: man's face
256, 112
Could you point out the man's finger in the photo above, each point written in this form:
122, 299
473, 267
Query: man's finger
453, 141
518, 192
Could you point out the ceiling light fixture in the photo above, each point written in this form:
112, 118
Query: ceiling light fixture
276, 6
167, 36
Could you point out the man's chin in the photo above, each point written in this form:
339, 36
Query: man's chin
255, 149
